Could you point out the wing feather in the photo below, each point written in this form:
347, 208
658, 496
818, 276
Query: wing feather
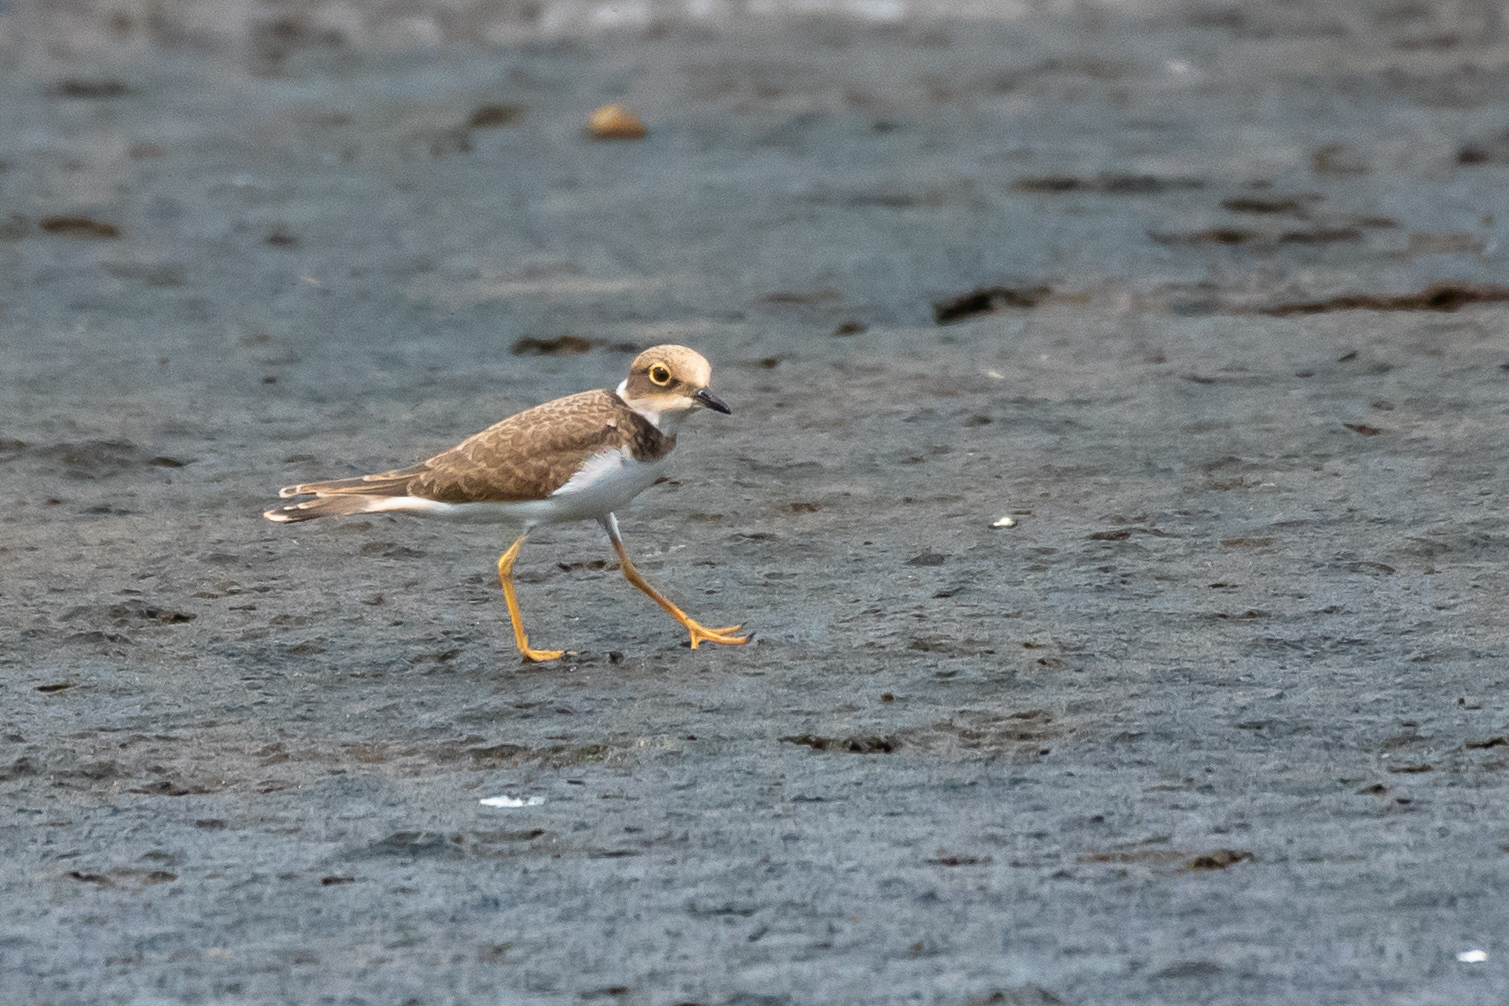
527, 456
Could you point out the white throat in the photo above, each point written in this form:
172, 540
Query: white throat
667, 421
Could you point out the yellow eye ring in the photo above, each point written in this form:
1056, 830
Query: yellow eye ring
660, 375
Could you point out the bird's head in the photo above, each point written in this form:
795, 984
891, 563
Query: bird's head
666, 383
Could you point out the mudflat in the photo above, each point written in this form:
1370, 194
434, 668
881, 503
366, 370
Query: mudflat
1211, 302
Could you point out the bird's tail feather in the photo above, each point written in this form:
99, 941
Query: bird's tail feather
340, 497
392, 483
321, 506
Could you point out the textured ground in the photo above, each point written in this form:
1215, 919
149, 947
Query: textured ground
1220, 721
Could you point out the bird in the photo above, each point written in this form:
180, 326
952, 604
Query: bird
581, 457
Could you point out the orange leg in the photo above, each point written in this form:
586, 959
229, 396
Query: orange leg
505, 577
699, 633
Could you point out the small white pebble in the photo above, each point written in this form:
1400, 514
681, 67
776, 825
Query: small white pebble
512, 801
1473, 956
1007, 521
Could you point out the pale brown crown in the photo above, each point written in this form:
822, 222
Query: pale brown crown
667, 373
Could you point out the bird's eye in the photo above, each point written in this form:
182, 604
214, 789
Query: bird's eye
660, 375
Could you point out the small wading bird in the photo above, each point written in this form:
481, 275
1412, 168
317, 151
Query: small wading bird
577, 458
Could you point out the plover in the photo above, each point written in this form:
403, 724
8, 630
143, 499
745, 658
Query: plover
581, 457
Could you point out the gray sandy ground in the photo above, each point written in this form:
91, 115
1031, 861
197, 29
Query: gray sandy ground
1221, 720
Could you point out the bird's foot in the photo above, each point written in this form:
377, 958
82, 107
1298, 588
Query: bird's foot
702, 634
533, 656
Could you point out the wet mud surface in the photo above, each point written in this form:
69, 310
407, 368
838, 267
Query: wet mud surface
1220, 719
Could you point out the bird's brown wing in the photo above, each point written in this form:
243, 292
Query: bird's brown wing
530, 455
527, 456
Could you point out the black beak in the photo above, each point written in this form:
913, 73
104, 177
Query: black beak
711, 401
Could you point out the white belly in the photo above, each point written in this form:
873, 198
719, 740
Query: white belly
607, 482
